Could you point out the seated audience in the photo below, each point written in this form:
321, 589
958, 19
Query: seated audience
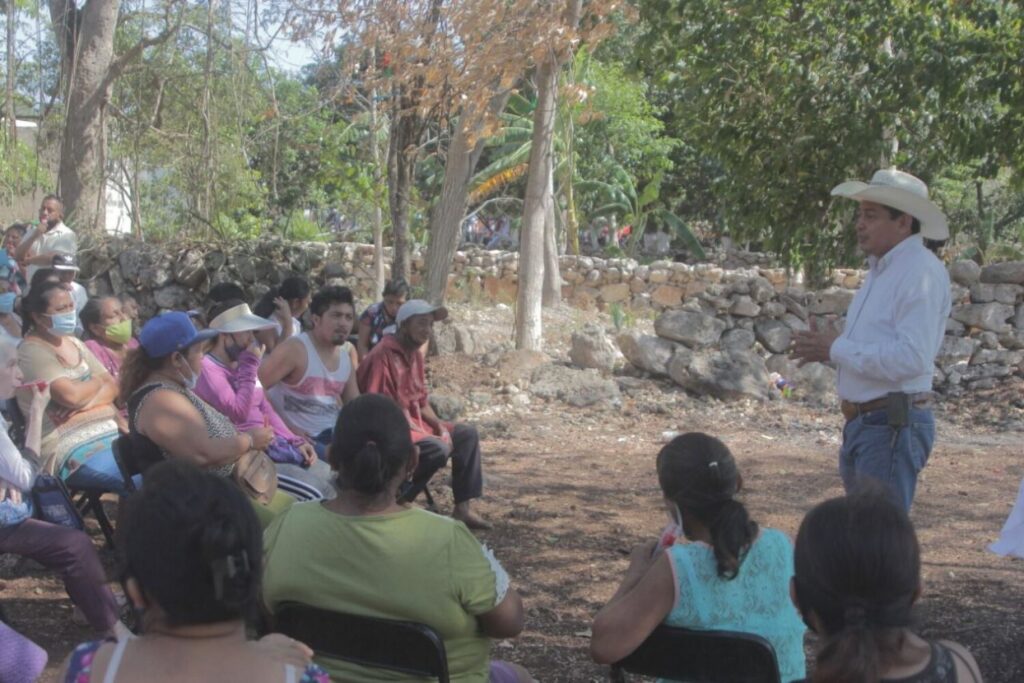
395, 368
857, 576
168, 420
12, 238
81, 421
68, 551
10, 322
21, 660
67, 270
191, 558
722, 573
379, 319
229, 384
131, 309
296, 293
108, 332
365, 553
309, 376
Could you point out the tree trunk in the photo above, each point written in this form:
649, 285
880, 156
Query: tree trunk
402, 152
531, 242
378, 218
538, 184
552, 273
446, 218
87, 41
12, 118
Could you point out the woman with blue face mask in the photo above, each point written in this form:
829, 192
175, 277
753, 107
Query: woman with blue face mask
10, 322
721, 572
81, 421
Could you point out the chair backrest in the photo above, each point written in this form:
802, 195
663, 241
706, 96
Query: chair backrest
704, 657
402, 646
125, 459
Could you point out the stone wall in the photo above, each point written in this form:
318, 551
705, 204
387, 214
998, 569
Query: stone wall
754, 308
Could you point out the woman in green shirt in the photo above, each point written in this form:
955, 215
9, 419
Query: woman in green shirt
363, 553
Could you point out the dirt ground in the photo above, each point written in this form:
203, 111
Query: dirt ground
572, 490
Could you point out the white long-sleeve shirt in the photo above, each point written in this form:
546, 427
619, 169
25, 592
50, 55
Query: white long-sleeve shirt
894, 325
14, 468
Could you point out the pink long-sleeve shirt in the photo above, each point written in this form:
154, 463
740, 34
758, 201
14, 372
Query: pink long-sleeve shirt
236, 392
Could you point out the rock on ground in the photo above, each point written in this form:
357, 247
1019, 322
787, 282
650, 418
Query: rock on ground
591, 348
692, 328
727, 374
579, 388
646, 352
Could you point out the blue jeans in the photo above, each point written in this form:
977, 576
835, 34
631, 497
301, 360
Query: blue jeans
321, 441
872, 449
100, 471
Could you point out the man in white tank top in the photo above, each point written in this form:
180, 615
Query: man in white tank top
310, 375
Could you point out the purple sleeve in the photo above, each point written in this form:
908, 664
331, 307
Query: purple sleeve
215, 388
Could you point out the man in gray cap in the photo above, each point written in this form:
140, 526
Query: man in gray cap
885, 355
394, 367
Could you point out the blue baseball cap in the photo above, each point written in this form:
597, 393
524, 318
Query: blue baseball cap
163, 335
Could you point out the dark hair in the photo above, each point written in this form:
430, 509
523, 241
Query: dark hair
192, 541
915, 225
136, 367
37, 301
265, 306
857, 567
41, 275
371, 444
221, 306
699, 474
396, 287
328, 296
53, 198
222, 291
293, 288
90, 313
20, 228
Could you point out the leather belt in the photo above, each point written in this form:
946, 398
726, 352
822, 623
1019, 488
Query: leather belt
852, 410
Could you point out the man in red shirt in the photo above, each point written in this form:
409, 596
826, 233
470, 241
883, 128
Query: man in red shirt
394, 367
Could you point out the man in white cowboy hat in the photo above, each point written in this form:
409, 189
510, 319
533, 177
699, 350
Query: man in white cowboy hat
885, 355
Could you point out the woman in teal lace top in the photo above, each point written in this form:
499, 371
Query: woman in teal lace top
720, 573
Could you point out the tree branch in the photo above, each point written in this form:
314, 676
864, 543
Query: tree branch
121, 62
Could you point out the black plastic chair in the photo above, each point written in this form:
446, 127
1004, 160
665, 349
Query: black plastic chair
404, 647
702, 657
126, 461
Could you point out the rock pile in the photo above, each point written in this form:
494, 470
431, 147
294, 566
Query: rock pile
727, 338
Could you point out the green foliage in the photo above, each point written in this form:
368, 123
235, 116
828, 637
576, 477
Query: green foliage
20, 170
781, 100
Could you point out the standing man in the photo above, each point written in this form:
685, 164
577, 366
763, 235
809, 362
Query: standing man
394, 367
48, 239
310, 375
885, 355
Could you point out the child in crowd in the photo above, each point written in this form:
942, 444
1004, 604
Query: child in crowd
379, 319
858, 573
723, 573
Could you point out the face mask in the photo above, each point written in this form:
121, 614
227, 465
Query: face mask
63, 324
7, 302
232, 349
192, 380
120, 333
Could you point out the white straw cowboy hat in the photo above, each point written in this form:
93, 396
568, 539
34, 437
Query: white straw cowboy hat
239, 319
900, 191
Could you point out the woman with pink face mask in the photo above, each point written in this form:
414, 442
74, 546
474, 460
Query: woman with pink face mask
59, 548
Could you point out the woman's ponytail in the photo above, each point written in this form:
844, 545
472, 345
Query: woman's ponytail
732, 533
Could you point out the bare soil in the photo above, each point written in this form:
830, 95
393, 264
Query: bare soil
572, 490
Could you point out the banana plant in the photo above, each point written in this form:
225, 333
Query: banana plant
638, 207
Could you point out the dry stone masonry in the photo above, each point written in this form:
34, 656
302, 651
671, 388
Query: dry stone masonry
722, 330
